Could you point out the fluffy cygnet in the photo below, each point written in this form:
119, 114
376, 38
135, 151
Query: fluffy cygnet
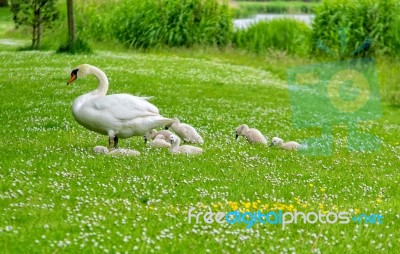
154, 133
185, 149
290, 145
185, 131
100, 150
160, 141
123, 152
252, 135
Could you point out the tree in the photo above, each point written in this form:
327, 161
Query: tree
74, 44
71, 21
3, 3
34, 13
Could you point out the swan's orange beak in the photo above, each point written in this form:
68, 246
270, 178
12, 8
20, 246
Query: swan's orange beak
71, 79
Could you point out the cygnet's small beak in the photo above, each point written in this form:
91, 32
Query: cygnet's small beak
145, 139
236, 137
272, 144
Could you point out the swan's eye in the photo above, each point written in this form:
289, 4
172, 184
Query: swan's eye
75, 72
74, 75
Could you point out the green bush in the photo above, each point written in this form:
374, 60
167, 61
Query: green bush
75, 47
93, 22
342, 27
174, 23
287, 35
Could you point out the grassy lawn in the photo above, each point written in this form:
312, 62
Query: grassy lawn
57, 196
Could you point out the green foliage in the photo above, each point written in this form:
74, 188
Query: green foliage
5, 15
174, 23
341, 27
75, 47
36, 14
93, 22
250, 8
280, 34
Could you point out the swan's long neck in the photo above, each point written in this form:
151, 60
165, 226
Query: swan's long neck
101, 90
103, 81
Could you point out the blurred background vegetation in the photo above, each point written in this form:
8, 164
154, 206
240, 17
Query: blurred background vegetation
340, 30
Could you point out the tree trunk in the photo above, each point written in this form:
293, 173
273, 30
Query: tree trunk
34, 26
39, 30
71, 21
34, 33
3, 3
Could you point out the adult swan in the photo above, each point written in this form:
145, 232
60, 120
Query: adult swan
116, 115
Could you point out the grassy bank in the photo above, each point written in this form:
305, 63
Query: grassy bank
57, 196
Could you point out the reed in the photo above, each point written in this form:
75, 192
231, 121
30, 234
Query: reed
173, 23
341, 28
286, 35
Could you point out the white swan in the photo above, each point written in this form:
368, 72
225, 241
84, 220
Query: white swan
290, 145
116, 115
185, 131
252, 135
185, 149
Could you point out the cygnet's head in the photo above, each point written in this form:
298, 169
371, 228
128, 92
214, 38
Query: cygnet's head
159, 137
176, 120
174, 139
152, 133
239, 130
276, 141
80, 71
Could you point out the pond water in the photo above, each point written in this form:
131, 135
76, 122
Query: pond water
243, 23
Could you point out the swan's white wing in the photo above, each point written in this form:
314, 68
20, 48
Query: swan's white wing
124, 106
147, 98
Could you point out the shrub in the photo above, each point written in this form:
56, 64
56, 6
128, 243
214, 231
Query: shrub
174, 23
287, 35
93, 22
341, 28
75, 47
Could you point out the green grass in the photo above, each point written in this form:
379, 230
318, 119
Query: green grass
56, 196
